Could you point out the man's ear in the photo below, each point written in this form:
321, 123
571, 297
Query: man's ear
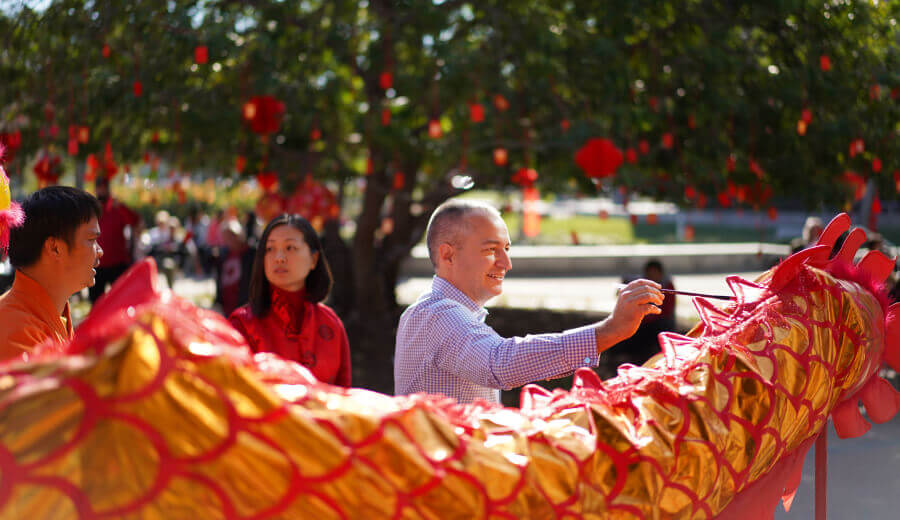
54, 247
445, 253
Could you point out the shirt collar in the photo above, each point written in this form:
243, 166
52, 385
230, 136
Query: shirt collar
30, 291
443, 288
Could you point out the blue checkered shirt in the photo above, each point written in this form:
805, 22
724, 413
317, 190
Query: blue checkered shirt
444, 346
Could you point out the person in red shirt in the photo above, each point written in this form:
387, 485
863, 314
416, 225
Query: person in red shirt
117, 257
290, 279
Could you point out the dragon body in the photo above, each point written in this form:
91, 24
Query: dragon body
158, 409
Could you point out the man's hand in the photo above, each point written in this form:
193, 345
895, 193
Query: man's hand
636, 300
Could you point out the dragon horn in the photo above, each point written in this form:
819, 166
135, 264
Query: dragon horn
834, 229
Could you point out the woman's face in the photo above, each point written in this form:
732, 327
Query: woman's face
288, 259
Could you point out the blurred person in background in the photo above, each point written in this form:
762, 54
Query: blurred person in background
812, 228
290, 279
644, 344
120, 227
233, 268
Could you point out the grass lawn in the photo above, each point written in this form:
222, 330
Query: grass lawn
619, 230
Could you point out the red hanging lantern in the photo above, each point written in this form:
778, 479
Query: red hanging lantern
138, 88
312, 201
806, 115
653, 102
385, 116
269, 206
48, 170
689, 233
105, 51
434, 129
476, 112
268, 181
631, 156
500, 103
91, 167
565, 125
385, 80
643, 147
856, 182
876, 165
875, 92
755, 168
525, 177
668, 140
399, 181
239, 163
701, 200
315, 134
201, 54
11, 141
824, 63
731, 190
599, 158
724, 200
263, 114
500, 156
72, 147
690, 192
84, 134
730, 163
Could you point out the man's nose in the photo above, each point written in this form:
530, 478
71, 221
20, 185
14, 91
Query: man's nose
99, 251
504, 261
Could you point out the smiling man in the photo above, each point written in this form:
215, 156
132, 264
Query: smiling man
55, 253
444, 346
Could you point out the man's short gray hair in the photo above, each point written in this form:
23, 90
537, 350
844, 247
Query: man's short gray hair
450, 221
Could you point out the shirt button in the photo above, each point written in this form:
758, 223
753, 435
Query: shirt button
587, 361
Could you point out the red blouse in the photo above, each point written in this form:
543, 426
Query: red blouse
299, 330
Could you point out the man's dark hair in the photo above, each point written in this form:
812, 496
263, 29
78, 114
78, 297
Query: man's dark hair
55, 211
318, 281
653, 264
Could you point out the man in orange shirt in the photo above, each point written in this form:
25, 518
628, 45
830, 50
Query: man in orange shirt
55, 253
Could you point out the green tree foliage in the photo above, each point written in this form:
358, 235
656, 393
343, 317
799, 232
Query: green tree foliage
726, 81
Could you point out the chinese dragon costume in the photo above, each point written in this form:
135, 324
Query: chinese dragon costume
157, 409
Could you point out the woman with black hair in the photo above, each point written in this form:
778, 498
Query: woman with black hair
285, 315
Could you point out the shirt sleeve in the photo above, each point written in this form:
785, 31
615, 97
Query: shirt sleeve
472, 350
345, 373
237, 322
17, 340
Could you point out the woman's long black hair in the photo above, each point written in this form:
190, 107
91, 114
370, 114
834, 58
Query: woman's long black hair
318, 281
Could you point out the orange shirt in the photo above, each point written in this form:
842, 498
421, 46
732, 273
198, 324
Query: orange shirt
28, 318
